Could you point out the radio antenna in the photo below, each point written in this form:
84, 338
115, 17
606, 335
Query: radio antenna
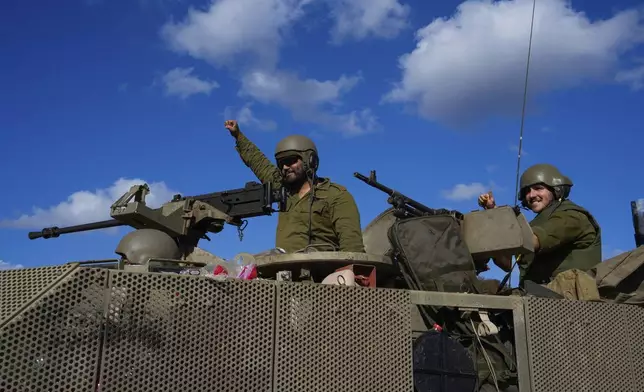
507, 279
525, 99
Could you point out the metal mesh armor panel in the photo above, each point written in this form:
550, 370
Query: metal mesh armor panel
584, 346
635, 320
187, 333
333, 338
19, 286
54, 344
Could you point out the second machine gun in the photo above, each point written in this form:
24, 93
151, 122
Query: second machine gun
185, 218
404, 207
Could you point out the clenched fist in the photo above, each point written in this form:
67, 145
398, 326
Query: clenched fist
232, 127
486, 200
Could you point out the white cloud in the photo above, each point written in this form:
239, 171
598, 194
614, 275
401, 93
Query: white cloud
307, 99
181, 82
247, 35
230, 28
472, 65
633, 77
358, 19
288, 90
9, 266
87, 206
245, 116
462, 192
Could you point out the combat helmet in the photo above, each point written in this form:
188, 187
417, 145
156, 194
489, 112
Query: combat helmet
548, 175
139, 246
300, 146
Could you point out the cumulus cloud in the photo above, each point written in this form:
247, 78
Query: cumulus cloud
181, 82
462, 192
228, 29
9, 266
358, 19
472, 65
87, 206
290, 91
247, 35
307, 99
245, 116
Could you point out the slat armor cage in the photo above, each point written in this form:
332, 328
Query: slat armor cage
77, 328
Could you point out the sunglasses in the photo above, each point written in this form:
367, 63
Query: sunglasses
288, 161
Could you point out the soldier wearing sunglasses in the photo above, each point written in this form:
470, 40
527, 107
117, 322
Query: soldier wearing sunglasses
319, 213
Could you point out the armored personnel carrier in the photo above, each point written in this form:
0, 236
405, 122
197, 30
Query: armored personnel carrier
169, 316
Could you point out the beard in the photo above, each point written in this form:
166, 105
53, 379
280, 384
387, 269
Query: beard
294, 177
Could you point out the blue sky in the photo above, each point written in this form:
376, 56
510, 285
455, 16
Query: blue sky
98, 95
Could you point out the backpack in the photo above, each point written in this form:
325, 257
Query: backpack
436, 253
621, 278
432, 256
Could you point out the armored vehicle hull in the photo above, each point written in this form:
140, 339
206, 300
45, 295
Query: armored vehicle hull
88, 328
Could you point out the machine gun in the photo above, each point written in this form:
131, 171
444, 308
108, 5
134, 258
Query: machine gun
404, 206
186, 218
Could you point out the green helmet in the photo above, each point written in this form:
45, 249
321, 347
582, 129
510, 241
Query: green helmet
139, 246
300, 146
549, 175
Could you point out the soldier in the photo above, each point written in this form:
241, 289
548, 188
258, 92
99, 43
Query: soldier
565, 235
329, 220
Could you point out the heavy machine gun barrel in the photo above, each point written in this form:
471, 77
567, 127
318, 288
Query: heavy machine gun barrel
54, 231
403, 204
191, 216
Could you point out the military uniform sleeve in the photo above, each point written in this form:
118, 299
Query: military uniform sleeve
346, 223
563, 227
263, 168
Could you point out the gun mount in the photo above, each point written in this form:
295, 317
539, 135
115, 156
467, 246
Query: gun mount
186, 219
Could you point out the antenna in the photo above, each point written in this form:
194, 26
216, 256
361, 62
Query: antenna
508, 277
525, 99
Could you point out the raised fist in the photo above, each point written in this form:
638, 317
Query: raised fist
487, 201
232, 127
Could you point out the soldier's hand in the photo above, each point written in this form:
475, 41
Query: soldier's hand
232, 127
487, 201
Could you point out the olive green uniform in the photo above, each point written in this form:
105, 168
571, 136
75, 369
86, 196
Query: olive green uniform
335, 219
569, 237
